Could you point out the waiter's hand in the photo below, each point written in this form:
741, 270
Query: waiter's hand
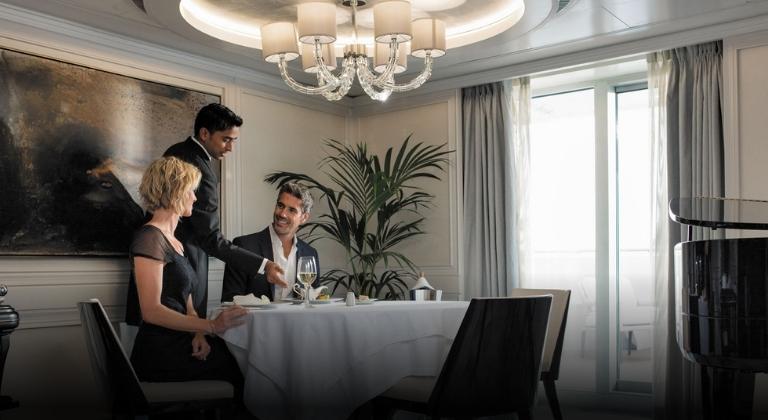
274, 274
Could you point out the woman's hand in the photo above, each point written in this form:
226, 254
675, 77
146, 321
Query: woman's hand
200, 347
228, 318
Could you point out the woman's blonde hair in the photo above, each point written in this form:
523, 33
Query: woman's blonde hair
166, 181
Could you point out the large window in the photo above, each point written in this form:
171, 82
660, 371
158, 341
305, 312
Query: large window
562, 222
634, 269
589, 224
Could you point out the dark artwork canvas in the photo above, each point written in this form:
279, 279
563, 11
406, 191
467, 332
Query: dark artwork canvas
74, 143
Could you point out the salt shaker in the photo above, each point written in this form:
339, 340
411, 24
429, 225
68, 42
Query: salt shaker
350, 299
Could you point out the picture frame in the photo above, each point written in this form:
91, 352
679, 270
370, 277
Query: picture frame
74, 142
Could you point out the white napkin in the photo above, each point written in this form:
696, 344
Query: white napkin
422, 283
250, 300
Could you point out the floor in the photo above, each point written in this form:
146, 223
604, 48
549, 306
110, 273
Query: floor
540, 413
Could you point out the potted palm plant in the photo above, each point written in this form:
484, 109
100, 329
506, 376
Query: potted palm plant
373, 206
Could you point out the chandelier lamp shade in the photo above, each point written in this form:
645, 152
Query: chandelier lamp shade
396, 36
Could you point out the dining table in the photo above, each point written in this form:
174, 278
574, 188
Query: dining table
325, 361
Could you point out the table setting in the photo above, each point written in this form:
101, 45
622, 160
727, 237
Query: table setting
302, 359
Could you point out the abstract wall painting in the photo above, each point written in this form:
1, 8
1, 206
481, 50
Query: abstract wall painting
74, 142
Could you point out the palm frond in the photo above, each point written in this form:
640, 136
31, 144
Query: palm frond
366, 197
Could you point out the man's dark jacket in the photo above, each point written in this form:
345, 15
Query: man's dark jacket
238, 282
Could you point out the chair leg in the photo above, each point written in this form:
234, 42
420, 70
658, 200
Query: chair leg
524, 414
212, 414
381, 411
554, 404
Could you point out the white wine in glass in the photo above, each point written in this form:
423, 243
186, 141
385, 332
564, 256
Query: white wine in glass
306, 273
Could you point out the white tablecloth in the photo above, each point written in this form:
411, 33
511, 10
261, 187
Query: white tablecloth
323, 362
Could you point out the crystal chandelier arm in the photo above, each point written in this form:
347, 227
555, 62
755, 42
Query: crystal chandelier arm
300, 87
347, 77
415, 82
389, 70
322, 69
366, 79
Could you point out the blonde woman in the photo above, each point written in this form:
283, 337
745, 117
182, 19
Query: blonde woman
171, 344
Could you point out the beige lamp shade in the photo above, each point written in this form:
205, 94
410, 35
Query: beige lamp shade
308, 57
381, 56
428, 35
279, 38
392, 19
317, 21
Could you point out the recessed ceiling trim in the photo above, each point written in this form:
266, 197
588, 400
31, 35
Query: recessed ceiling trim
468, 21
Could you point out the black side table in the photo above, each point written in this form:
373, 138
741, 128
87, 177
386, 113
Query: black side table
9, 320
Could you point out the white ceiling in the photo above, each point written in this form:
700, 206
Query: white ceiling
582, 25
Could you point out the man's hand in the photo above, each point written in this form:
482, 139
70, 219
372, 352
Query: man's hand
274, 274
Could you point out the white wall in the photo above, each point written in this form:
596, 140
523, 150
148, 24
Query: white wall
431, 119
48, 363
745, 122
745, 125
288, 138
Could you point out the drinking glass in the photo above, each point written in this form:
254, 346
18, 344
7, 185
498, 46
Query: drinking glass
306, 273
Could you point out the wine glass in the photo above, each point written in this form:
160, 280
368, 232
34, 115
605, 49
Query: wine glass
306, 273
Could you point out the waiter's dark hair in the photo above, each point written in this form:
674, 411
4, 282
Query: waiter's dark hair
216, 117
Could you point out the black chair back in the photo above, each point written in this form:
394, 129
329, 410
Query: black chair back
110, 363
494, 364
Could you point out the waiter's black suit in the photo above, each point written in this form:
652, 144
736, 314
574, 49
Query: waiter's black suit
201, 232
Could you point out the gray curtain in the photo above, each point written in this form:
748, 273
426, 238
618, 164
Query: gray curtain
689, 124
489, 249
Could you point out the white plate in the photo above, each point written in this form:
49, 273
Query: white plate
324, 301
267, 306
365, 302
314, 301
255, 306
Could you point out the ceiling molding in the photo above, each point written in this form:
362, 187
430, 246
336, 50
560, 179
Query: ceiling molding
578, 53
45, 31
57, 34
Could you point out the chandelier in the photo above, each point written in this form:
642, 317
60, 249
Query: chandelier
395, 37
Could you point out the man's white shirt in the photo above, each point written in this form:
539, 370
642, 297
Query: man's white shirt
287, 263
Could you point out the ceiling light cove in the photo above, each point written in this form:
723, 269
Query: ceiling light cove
239, 22
318, 31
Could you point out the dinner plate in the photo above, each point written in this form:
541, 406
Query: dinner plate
267, 306
323, 301
252, 306
314, 301
365, 302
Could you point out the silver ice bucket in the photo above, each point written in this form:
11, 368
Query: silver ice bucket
426, 294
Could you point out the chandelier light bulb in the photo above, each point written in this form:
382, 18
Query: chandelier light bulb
279, 42
428, 35
392, 19
317, 21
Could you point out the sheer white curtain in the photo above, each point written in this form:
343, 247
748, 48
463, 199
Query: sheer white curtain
659, 68
520, 108
495, 123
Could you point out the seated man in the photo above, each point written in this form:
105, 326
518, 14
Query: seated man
277, 243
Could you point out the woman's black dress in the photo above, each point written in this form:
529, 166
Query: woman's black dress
161, 354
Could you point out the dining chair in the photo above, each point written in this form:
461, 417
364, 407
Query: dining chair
492, 368
553, 345
133, 399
